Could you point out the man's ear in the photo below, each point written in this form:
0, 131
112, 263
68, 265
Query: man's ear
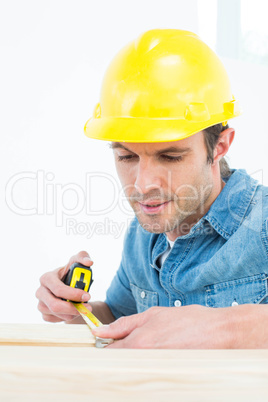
224, 143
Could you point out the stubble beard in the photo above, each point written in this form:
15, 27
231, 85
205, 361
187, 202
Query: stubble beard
184, 208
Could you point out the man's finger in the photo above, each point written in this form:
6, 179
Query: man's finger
54, 305
60, 290
120, 328
83, 257
139, 338
53, 318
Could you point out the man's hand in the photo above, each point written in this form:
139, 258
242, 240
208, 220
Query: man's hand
52, 290
189, 327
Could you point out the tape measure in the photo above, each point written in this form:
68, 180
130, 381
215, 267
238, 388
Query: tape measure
79, 276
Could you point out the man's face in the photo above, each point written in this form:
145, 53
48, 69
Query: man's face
167, 183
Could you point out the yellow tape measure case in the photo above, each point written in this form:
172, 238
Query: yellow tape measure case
79, 276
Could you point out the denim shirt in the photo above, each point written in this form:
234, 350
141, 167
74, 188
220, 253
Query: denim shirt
221, 262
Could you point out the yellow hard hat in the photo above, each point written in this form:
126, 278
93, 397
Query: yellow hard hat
164, 86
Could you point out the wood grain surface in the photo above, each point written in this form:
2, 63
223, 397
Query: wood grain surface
46, 335
45, 373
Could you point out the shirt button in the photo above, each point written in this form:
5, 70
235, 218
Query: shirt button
143, 294
234, 303
177, 303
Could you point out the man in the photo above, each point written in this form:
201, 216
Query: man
195, 261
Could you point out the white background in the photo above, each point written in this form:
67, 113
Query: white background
53, 57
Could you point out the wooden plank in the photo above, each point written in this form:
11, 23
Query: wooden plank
46, 335
81, 374
30, 370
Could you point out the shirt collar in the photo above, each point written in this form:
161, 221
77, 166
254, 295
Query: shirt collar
228, 210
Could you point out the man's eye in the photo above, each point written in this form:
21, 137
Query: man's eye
125, 157
171, 158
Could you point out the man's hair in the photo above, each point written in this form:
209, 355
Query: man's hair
212, 135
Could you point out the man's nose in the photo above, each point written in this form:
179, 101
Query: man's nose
147, 177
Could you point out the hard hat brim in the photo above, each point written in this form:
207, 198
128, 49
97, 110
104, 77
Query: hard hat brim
127, 129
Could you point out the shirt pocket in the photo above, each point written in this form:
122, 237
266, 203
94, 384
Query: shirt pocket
248, 290
144, 298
